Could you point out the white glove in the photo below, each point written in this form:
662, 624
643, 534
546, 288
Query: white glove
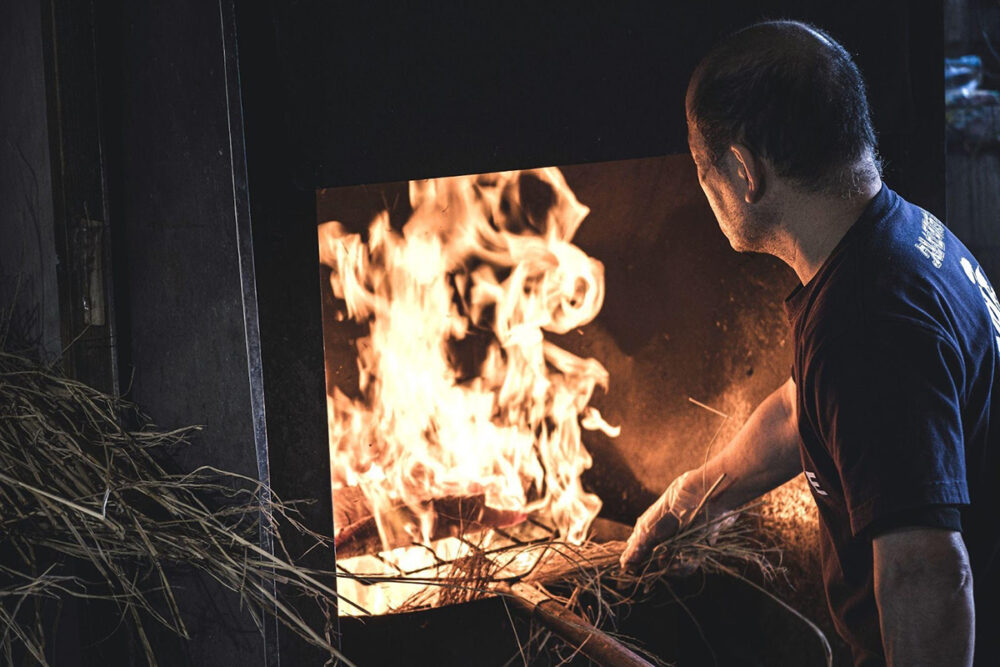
671, 513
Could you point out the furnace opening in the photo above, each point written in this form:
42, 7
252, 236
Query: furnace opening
459, 429
487, 336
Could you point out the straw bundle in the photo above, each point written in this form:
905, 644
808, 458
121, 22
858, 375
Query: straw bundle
80, 492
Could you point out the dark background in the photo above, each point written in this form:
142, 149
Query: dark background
376, 95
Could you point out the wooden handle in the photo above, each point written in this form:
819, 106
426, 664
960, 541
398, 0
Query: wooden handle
573, 629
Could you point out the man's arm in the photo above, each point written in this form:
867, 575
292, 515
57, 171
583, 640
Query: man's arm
762, 455
923, 587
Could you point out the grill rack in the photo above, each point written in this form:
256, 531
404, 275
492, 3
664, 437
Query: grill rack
513, 540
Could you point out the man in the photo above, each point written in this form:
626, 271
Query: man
893, 407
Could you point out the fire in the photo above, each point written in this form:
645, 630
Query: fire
460, 394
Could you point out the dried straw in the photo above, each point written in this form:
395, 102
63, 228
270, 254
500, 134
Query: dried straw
79, 492
588, 581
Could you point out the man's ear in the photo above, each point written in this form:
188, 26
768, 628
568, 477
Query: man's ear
750, 171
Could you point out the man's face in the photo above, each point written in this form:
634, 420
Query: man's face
725, 188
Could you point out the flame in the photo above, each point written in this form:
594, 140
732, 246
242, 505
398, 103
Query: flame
460, 393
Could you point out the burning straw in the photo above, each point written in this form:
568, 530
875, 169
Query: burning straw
80, 493
586, 579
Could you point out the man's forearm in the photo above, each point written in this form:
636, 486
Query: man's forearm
923, 587
762, 455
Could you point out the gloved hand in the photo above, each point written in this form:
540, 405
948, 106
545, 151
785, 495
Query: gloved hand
671, 513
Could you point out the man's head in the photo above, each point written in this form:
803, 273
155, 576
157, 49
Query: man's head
777, 110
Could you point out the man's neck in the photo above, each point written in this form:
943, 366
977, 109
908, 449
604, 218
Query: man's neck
813, 225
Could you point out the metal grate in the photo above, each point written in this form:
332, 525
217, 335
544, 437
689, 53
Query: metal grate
374, 582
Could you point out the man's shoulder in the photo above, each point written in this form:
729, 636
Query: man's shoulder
895, 270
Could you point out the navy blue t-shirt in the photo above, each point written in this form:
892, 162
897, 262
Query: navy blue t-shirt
897, 371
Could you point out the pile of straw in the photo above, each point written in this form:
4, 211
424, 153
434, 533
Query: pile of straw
80, 492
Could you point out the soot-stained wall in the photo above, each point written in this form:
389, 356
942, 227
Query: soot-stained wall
684, 317
27, 239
